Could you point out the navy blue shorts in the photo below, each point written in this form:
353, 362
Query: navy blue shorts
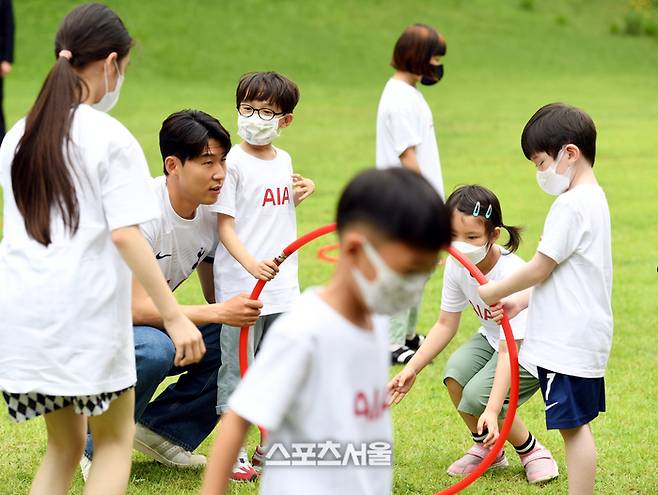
571, 401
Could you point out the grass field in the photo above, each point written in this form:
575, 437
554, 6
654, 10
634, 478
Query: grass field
503, 62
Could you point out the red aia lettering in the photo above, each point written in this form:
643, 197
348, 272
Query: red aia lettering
282, 196
371, 410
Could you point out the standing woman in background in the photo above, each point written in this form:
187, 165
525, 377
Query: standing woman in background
6, 53
406, 138
75, 187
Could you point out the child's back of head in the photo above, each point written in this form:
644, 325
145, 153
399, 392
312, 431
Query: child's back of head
399, 204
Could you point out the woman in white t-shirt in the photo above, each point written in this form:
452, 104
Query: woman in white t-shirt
477, 375
75, 185
406, 138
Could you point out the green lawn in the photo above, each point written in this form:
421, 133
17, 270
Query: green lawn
503, 62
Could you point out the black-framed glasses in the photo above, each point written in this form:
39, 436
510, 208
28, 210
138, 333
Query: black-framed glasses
264, 113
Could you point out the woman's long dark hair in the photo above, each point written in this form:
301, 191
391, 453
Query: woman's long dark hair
41, 178
481, 202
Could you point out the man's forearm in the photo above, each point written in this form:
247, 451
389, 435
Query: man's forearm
146, 314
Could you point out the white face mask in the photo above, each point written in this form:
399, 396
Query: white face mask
389, 293
257, 131
472, 252
110, 98
553, 183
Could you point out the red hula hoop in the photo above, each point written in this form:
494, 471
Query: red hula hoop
507, 329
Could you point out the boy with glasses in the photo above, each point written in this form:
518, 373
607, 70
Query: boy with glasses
256, 220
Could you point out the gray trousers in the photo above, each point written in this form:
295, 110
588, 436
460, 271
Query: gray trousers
228, 376
402, 326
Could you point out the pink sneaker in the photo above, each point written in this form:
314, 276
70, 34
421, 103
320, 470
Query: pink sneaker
473, 458
539, 464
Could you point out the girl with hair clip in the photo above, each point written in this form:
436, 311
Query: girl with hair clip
76, 185
477, 375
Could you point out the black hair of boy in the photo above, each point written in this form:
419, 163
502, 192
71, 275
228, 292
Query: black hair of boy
271, 87
399, 204
557, 124
185, 135
466, 198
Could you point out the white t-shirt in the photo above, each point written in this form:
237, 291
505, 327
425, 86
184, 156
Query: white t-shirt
570, 316
66, 325
258, 194
460, 289
404, 119
318, 378
179, 244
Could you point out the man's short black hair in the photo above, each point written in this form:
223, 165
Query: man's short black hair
185, 135
555, 125
268, 86
400, 204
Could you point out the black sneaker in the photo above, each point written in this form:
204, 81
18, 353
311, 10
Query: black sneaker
415, 342
402, 355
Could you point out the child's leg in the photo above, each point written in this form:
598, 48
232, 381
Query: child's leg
519, 435
399, 323
464, 364
581, 459
113, 433
571, 404
228, 376
455, 390
412, 322
66, 441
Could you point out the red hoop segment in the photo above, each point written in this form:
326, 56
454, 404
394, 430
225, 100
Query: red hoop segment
322, 253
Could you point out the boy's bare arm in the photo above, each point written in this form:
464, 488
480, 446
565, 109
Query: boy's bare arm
532, 273
263, 270
231, 435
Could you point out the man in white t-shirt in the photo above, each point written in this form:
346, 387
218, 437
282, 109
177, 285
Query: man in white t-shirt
318, 384
570, 324
406, 138
193, 146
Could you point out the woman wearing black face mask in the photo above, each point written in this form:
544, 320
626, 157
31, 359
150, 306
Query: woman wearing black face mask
406, 138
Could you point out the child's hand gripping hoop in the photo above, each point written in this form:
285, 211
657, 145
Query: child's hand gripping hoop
507, 329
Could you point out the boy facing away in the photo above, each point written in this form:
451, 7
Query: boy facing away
569, 327
319, 383
256, 220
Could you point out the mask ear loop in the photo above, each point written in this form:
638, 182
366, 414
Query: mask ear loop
489, 212
476, 210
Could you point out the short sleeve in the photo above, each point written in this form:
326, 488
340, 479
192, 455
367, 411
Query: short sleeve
453, 298
150, 231
226, 202
128, 198
403, 132
273, 381
563, 231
